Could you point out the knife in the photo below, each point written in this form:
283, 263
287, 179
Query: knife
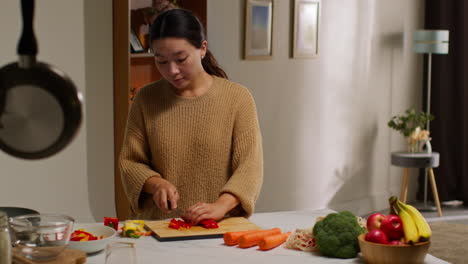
177, 211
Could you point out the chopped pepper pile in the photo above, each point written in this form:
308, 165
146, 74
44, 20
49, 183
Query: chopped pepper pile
176, 224
207, 223
134, 229
82, 235
131, 228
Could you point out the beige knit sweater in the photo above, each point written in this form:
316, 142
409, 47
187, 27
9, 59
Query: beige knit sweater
205, 146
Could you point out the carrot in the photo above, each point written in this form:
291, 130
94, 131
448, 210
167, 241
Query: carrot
273, 241
232, 238
252, 239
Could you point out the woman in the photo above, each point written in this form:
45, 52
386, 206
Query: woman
192, 139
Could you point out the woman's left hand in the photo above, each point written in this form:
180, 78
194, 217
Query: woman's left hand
201, 211
215, 211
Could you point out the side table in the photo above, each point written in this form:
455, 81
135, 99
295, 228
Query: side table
409, 160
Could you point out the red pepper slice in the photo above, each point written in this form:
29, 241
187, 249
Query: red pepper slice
79, 235
182, 223
209, 223
179, 223
174, 225
112, 222
214, 225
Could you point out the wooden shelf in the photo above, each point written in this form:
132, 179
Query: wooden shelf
141, 55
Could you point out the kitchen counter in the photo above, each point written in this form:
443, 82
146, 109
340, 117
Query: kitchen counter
206, 251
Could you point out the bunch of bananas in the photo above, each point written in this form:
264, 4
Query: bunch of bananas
415, 226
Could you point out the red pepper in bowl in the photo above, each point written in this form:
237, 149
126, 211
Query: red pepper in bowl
81, 235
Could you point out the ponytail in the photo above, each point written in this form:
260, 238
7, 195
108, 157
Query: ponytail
211, 66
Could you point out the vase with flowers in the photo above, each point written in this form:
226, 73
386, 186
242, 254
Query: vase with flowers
411, 124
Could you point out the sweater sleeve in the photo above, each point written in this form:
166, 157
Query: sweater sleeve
247, 157
134, 159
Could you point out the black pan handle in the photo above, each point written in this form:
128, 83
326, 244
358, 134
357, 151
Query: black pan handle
27, 44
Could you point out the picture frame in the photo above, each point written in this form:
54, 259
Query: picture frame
305, 28
258, 30
135, 44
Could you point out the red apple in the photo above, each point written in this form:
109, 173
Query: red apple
397, 243
374, 221
392, 227
376, 236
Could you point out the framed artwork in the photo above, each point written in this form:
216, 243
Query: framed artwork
135, 44
306, 21
258, 29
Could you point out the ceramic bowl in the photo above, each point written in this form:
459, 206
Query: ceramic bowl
96, 229
374, 253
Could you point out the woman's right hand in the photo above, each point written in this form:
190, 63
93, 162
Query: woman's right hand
162, 192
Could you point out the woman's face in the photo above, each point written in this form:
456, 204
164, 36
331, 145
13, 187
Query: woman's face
178, 61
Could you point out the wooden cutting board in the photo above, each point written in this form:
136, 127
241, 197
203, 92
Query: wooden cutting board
163, 232
67, 256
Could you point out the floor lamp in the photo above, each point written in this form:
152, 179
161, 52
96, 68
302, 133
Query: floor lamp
430, 42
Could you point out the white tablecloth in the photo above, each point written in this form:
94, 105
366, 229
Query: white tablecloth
207, 251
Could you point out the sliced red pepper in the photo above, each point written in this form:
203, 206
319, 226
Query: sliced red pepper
176, 224
209, 223
80, 235
173, 225
182, 223
213, 225
112, 222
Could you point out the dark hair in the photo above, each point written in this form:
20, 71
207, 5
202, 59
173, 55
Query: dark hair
182, 23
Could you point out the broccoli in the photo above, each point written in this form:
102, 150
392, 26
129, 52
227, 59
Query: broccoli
337, 235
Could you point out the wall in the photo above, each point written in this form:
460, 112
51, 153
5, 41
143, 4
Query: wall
323, 120
79, 180
100, 106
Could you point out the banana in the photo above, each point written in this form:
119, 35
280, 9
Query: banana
418, 225
409, 226
423, 227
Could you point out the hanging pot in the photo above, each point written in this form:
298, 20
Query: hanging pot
12, 211
40, 107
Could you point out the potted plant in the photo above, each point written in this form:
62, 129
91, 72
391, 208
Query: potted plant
410, 124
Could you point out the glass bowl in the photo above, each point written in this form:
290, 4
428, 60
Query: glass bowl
40, 237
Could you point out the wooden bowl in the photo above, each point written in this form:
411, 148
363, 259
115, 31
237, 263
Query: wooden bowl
375, 253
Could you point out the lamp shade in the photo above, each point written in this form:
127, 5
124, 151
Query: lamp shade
431, 41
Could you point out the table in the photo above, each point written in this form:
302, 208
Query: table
418, 160
207, 251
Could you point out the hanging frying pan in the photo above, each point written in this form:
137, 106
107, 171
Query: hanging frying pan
40, 107
15, 211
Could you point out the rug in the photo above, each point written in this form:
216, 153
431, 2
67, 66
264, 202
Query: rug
449, 242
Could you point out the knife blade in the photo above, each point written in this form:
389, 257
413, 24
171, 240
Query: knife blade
178, 211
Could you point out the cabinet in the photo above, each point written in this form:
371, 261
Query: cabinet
131, 72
